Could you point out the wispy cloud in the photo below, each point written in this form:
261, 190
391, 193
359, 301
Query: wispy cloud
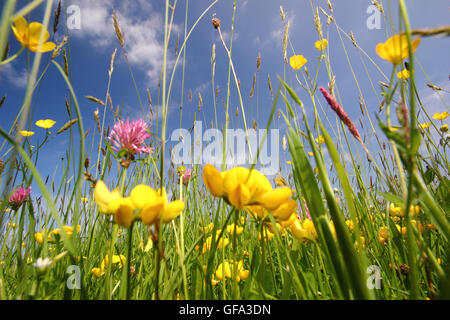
141, 25
18, 78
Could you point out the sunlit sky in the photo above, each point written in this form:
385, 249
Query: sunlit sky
258, 29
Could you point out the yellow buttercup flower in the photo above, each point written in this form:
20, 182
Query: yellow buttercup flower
232, 227
383, 235
401, 230
395, 49
320, 139
425, 125
440, 116
26, 133
230, 267
46, 124
97, 272
303, 230
116, 259
404, 74
321, 44
241, 187
223, 242
106, 200
444, 128
297, 61
266, 234
29, 34
208, 228
152, 205
84, 199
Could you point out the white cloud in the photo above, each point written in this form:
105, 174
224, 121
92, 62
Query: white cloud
17, 78
141, 25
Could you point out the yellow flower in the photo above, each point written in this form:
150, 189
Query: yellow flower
26, 133
241, 187
440, 116
404, 74
84, 200
223, 242
444, 128
152, 205
228, 268
320, 139
232, 227
116, 259
12, 225
46, 124
288, 162
425, 125
383, 235
395, 211
208, 228
97, 272
266, 234
311, 154
350, 225
39, 237
395, 49
297, 61
321, 44
401, 230
106, 200
29, 34
303, 230
149, 244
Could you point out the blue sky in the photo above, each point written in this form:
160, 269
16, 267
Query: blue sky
258, 29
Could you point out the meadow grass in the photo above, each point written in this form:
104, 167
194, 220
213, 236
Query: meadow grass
358, 229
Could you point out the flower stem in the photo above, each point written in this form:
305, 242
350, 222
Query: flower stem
12, 57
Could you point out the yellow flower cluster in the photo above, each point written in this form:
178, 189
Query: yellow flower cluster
223, 242
229, 268
398, 211
304, 230
151, 205
98, 272
54, 235
250, 190
232, 227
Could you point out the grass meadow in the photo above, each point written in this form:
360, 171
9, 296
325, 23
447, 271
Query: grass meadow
120, 220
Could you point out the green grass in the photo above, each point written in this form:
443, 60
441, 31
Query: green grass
408, 167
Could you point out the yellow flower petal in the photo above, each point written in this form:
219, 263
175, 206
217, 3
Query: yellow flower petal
172, 210
404, 74
46, 124
321, 44
274, 198
395, 49
297, 61
26, 133
240, 196
124, 214
213, 180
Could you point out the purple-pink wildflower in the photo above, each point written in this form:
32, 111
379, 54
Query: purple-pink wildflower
187, 176
341, 113
130, 136
19, 197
